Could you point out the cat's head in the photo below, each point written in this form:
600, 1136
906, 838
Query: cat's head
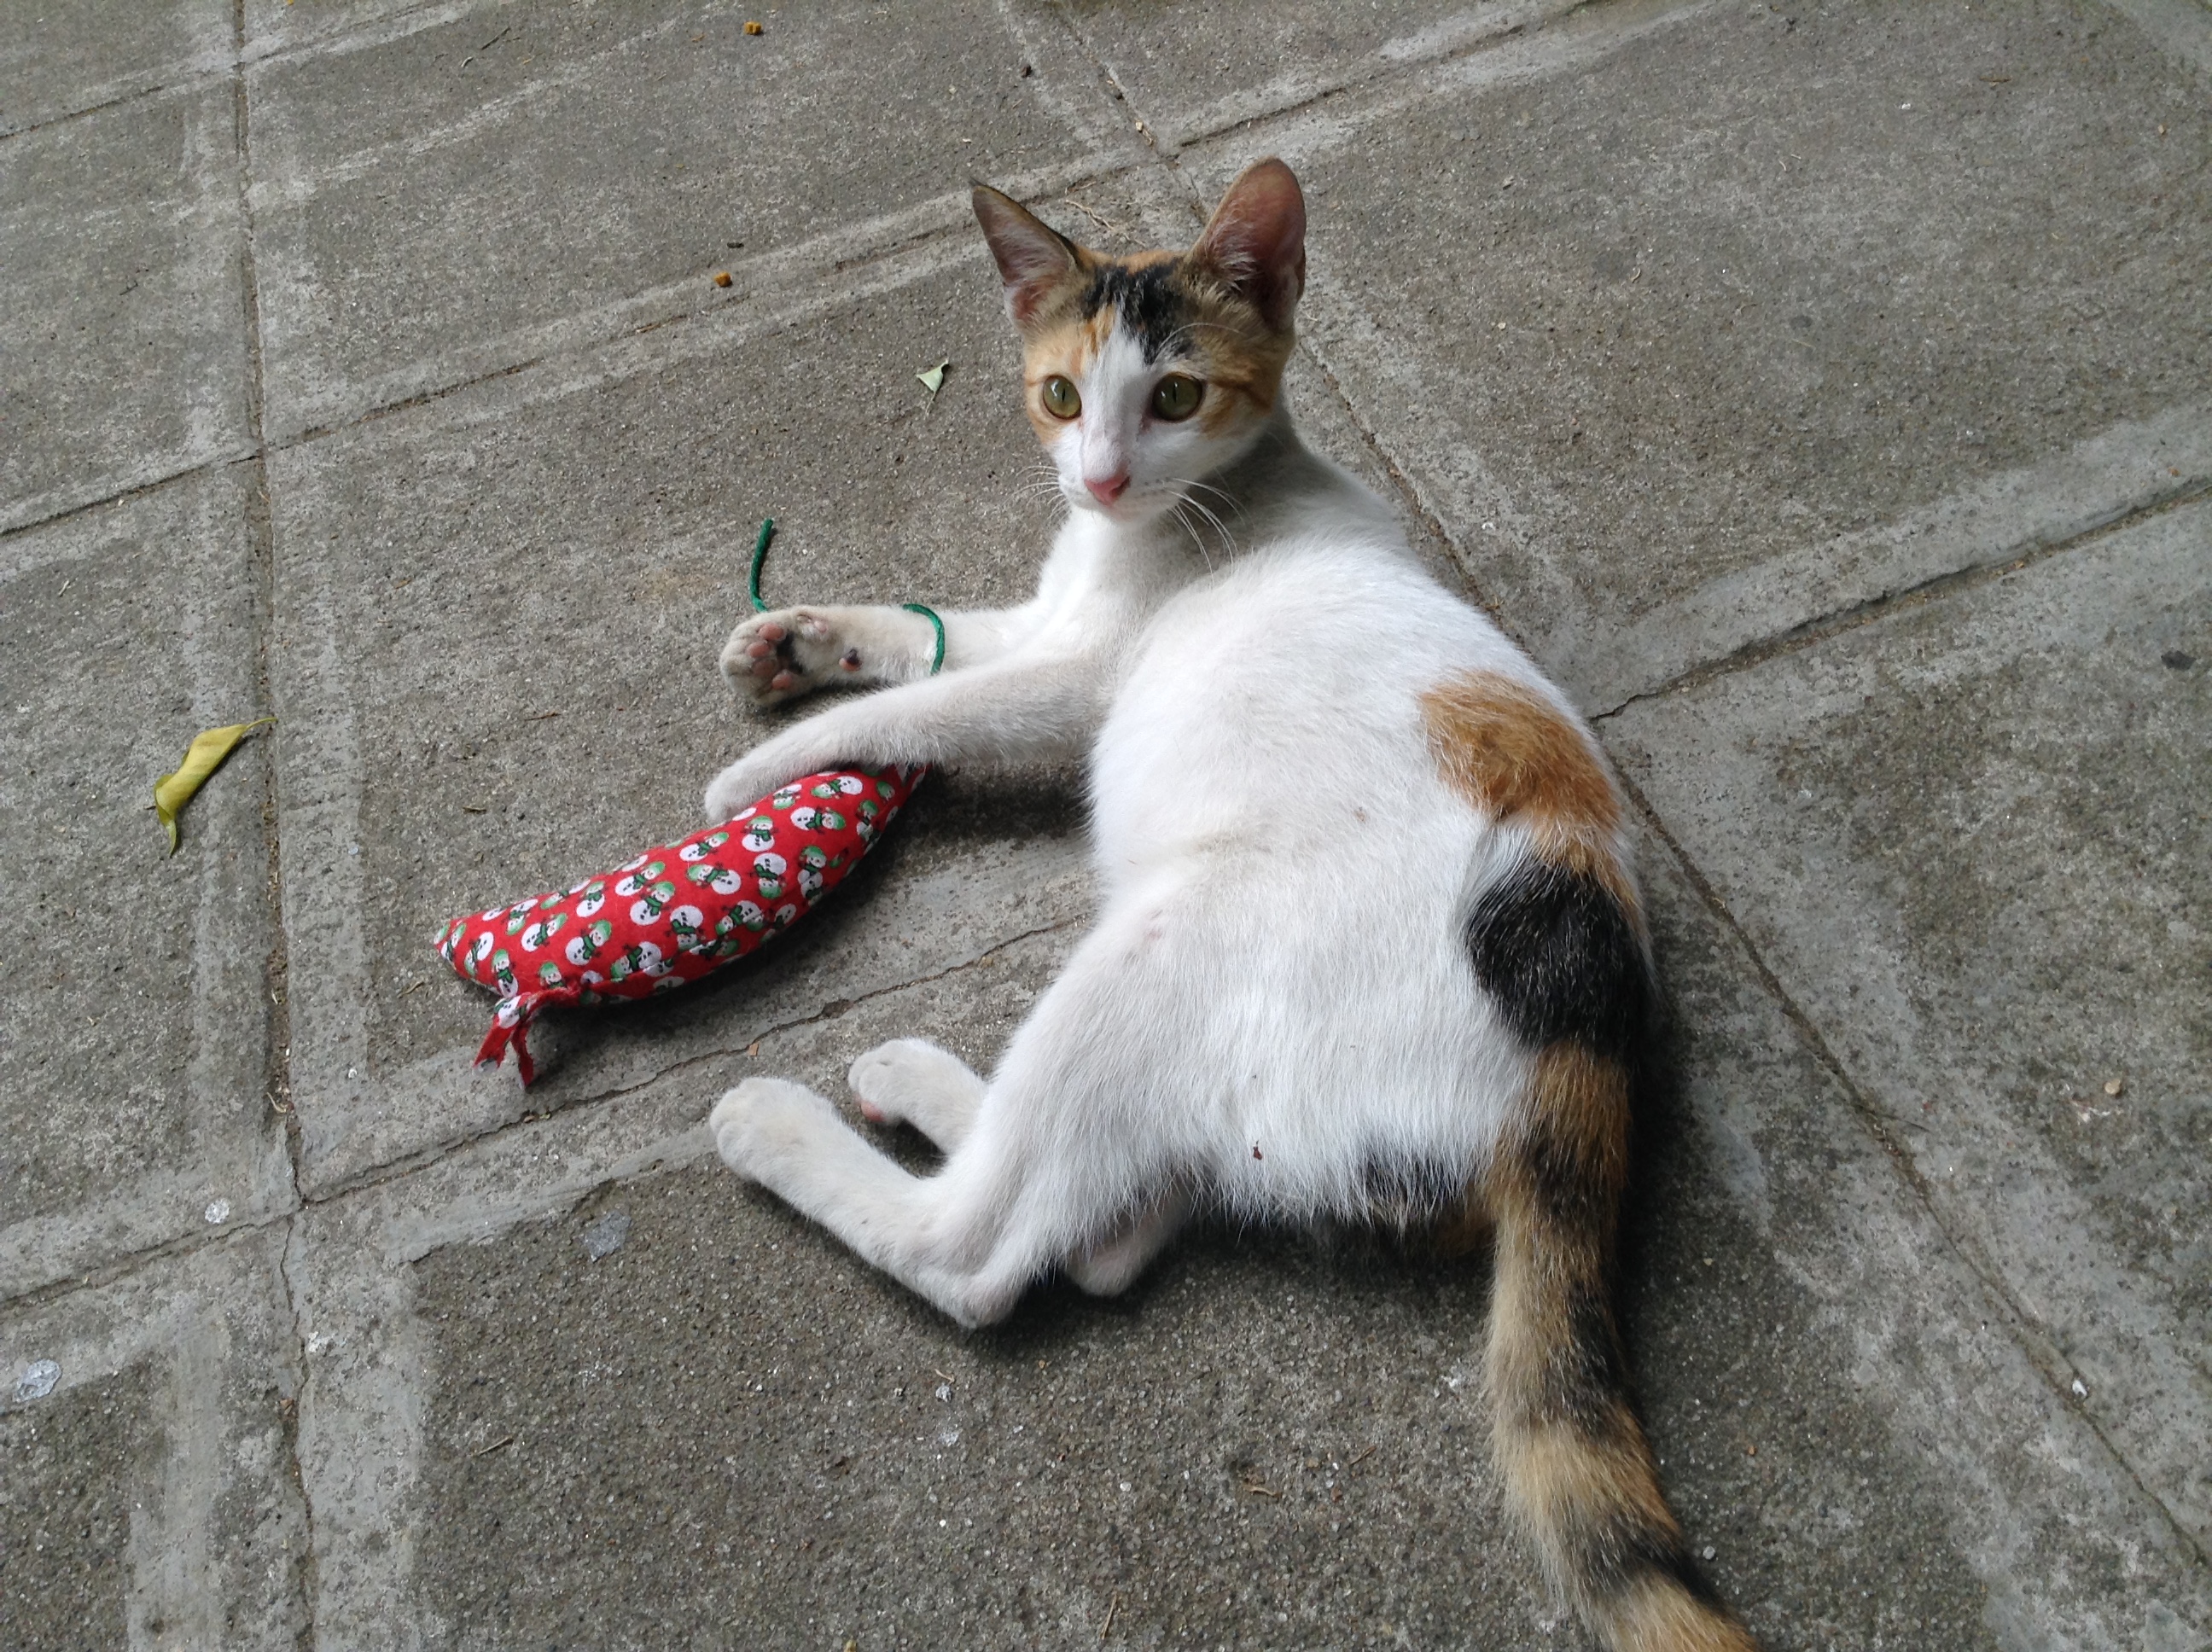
1146, 374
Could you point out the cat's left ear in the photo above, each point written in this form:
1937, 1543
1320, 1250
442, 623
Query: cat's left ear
1033, 257
1256, 239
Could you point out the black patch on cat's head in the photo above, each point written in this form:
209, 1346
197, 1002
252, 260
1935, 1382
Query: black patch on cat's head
1150, 301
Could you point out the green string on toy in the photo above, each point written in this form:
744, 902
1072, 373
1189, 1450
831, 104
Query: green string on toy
930, 614
760, 555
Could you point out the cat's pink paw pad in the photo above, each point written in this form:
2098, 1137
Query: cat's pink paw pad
775, 657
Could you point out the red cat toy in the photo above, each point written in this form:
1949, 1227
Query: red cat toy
676, 913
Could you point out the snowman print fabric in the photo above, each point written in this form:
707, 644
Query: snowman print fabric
676, 913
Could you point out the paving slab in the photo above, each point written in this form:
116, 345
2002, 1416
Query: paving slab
123, 344
438, 203
1663, 298
134, 1022
149, 1498
274, 28
1971, 839
65, 1511
620, 1397
1844, 1406
1203, 66
505, 611
58, 61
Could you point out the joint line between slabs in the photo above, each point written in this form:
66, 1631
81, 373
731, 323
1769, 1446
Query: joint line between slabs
2018, 559
1880, 1124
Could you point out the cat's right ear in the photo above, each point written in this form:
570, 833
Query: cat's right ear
1033, 256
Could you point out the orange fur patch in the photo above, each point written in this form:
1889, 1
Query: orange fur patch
1560, 1476
1512, 754
1579, 1103
1658, 1617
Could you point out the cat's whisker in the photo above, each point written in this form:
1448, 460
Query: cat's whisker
1230, 499
1202, 484
1227, 539
1184, 523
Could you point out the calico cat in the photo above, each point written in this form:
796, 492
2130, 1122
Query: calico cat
1370, 947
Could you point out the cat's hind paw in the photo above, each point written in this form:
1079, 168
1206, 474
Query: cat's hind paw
766, 1126
773, 658
912, 1081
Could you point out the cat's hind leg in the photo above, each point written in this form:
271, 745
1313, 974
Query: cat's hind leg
945, 1237
1113, 1264
912, 1081
1059, 1151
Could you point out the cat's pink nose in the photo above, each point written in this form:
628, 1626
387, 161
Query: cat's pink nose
1111, 489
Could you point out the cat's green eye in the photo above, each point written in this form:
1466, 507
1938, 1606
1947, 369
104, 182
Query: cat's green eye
1061, 399
1176, 397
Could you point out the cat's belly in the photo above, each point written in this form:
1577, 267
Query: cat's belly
1279, 853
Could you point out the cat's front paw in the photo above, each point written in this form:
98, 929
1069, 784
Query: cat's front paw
766, 1127
773, 658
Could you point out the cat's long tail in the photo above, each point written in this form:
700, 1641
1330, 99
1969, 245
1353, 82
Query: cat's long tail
1574, 1458
1558, 945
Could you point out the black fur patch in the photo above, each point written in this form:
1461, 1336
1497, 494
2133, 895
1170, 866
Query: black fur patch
1585, 1374
1151, 304
1622, 1548
1559, 957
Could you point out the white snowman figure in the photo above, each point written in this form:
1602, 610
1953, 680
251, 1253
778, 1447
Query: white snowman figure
595, 897
768, 872
544, 931
639, 876
684, 923
813, 862
701, 847
482, 949
760, 834
721, 879
582, 948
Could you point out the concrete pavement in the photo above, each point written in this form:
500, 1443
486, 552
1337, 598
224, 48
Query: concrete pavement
1824, 394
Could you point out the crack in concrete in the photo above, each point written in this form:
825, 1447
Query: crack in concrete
304, 1374
70, 512
400, 1169
276, 1018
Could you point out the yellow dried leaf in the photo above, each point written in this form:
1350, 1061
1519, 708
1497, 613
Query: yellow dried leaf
205, 754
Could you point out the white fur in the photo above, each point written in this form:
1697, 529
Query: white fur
1276, 1005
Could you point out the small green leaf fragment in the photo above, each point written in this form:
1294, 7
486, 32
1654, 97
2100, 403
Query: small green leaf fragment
932, 379
204, 756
